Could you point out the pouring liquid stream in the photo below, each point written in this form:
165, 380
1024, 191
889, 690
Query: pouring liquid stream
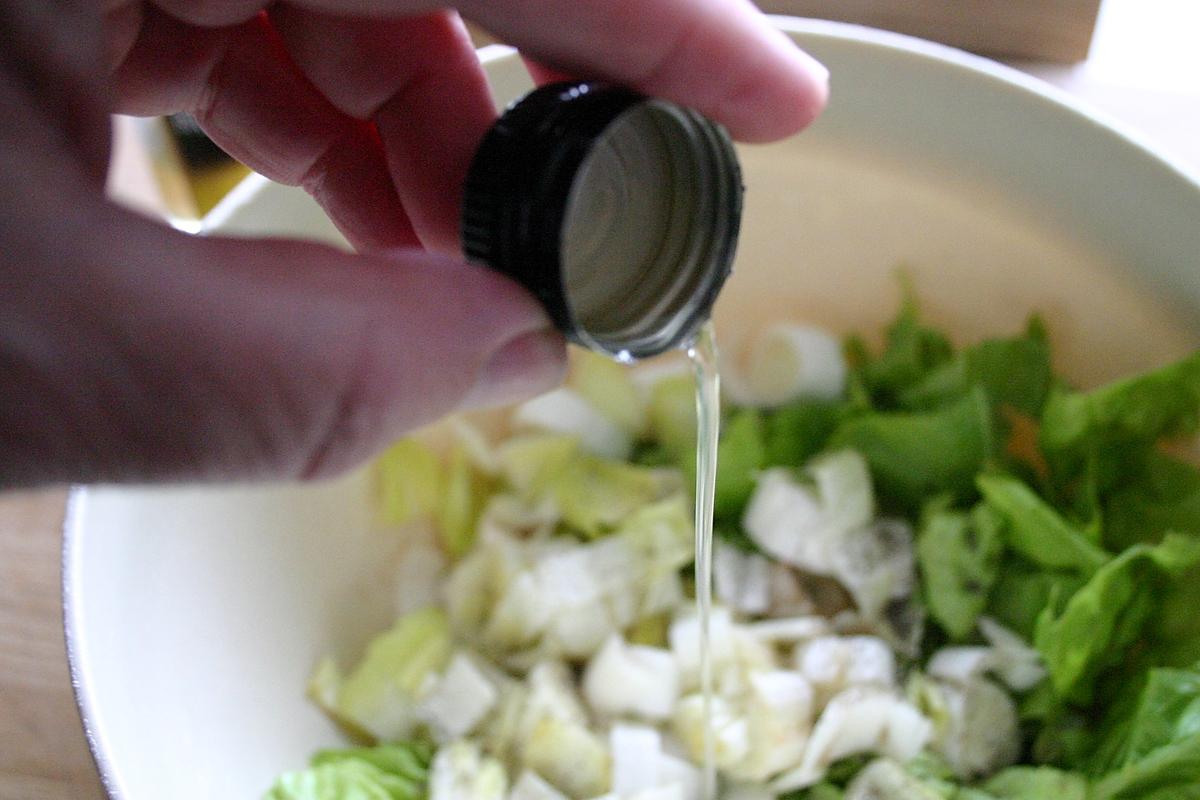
703, 354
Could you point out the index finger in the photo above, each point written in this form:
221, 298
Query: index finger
721, 57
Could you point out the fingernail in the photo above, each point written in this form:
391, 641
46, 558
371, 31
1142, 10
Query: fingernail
523, 367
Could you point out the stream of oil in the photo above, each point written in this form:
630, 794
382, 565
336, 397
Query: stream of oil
703, 353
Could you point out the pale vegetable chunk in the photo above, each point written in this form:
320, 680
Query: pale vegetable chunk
977, 734
833, 663
861, 719
730, 731
789, 629
825, 529
380, 694
531, 786
844, 487
635, 753
884, 779
1014, 661
420, 573
458, 700
785, 519
741, 580
565, 411
569, 756
633, 680
790, 361
684, 639
779, 713
460, 771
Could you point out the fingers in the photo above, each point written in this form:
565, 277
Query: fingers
419, 80
721, 57
242, 87
379, 117
162, 356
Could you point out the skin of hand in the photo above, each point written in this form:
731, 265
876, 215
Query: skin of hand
132, 352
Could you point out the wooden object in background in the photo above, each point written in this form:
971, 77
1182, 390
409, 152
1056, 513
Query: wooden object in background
1043, 30
43, 755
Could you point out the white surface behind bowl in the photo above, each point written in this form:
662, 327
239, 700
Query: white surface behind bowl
194, 615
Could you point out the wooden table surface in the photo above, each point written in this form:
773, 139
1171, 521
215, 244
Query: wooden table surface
1142, 70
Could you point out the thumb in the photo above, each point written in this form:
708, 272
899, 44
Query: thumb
157, 355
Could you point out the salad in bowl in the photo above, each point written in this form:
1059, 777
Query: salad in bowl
939, 573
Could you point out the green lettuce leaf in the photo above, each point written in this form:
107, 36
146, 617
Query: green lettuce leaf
1125, 415
379, 695
911, 352
1164, 711
741, 453
397, 771
1169, 772
1036, 783
1023, 589
1014, 371
914, 456
1035, 530
821, 791
1090, 631
594, 495
1163, 495
959, 556
797, 432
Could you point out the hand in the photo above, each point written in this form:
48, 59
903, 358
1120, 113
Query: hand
132, 352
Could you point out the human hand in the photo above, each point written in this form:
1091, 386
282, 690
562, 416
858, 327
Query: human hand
129, 351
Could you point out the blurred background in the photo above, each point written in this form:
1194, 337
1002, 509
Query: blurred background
1136, 61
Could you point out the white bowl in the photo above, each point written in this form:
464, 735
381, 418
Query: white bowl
194, 614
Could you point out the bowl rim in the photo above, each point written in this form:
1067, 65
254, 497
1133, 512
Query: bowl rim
980, 67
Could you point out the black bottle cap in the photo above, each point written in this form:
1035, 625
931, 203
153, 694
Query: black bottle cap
619, 212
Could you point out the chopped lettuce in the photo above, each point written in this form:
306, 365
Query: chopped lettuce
607, 386
594, 495
465, 491
918, 455
1057, 551
529, 462
1150, 745
1023, 589
1081, 635
798, 431
408, 480
1036, 783
1036, 531
1162, 494
740, 455
380, 694
912, 351
397, 771
1106, 423
565, 411
1014, 371
672, 412
461, 771
1164, 712
591, 494
959, 556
